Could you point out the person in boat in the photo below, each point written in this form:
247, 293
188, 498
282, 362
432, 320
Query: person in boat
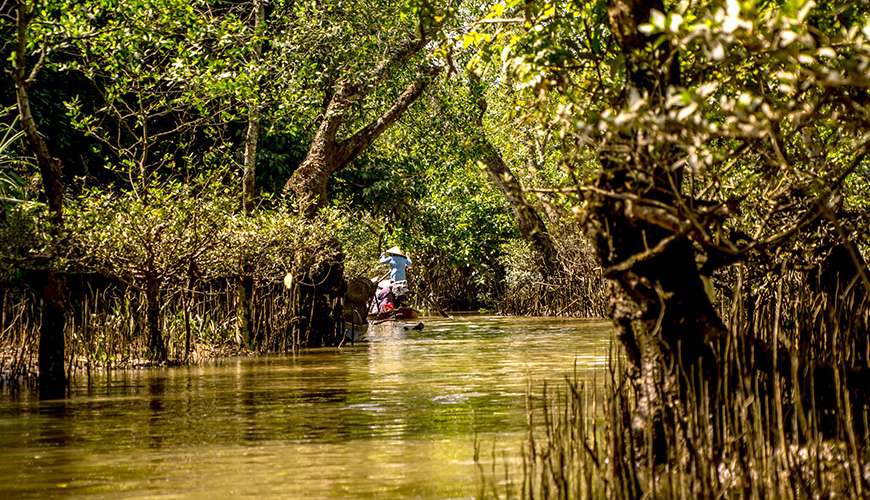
398, 263
385, 300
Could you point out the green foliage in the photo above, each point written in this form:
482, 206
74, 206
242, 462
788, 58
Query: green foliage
425, 192
449, 219
24, 234
768, 120
22, 221
458, 227
133, 238
162, 69
360, 236
737, 131
192, 243
11, 182
275, 243
181, 229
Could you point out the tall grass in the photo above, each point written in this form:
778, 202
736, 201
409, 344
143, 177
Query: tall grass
105, 326
581, 444
578, 290
755, 435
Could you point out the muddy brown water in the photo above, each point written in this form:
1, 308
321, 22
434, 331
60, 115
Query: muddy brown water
390, 418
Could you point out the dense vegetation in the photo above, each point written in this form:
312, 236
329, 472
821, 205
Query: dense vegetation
165, 164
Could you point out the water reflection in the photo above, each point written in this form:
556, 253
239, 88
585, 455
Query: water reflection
53, 416
394, 417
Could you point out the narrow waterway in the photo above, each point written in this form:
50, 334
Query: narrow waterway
392, 418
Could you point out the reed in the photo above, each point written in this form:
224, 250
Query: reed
577, 290
105, 326
581, 444
753, 435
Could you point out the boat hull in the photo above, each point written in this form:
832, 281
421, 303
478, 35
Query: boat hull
402, 313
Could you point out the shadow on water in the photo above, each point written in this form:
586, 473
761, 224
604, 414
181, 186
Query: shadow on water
248, 395
52, 462
156, 407
53, 426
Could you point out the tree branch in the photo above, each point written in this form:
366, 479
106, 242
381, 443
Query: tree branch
352, 147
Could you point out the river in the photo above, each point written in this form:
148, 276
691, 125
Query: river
393, 418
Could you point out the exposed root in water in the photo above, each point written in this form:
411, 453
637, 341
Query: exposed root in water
105, 328
577, 290
582, 442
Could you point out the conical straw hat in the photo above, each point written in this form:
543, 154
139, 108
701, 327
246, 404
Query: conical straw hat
395, 251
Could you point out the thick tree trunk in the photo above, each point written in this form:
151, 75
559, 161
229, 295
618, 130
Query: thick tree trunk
310, 180
52, 379
671, 321
320, 301
665, 319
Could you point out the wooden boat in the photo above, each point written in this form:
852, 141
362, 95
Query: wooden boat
400, 314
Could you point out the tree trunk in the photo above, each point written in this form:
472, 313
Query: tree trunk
245, 286
327, 154
672, 321
320, 301
52, 379
668, 325
310, 180
529, 222
252, 134
156, 345
50, 167
250, 160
